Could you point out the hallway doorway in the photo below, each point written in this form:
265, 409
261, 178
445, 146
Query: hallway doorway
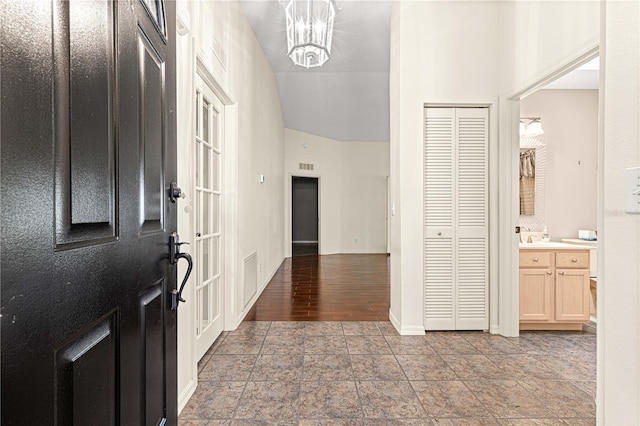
304, 216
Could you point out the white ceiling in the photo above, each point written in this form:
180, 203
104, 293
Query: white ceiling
347, 99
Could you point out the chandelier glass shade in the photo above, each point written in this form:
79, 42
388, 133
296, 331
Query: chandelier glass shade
309, 31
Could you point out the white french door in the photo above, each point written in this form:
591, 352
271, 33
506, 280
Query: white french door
209, 124
456, 218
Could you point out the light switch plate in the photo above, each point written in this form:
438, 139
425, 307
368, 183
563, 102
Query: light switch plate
631, 190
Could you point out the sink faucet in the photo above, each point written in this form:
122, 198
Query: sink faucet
526, 228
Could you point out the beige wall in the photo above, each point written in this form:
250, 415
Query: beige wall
538, 35
570, 121
353, 190
255, 209
326, 157
619, 294
441, 52
365, 167
614, 26
459, 62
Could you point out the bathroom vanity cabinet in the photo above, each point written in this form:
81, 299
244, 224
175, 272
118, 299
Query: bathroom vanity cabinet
554, 287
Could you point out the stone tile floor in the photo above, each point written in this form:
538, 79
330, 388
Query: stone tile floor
364, 373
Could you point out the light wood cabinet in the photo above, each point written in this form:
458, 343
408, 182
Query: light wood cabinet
536, 295
572, 295
554, 289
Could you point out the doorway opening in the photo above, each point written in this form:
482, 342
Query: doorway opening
304, 216
509, 241
558, 177
551, 274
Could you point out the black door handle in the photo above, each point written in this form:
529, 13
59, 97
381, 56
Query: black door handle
174, 257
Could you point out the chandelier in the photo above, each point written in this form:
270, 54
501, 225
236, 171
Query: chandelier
309, 31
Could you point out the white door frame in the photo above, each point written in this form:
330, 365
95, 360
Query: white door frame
215, 229
509, 193
317, 209
232, 303
289, 206
494, 209
387, 216
232, 307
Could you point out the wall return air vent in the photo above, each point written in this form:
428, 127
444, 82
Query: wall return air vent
306, 166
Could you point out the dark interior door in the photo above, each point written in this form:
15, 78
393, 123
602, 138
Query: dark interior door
88, 152
304, 214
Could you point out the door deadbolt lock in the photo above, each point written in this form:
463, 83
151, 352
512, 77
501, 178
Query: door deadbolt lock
174, 192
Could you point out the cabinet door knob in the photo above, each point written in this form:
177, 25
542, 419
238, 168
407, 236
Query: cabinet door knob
439, 234
561, 273
548, 273
574, 260
535, 259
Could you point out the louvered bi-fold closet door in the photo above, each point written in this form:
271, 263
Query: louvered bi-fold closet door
456, 218
439, 206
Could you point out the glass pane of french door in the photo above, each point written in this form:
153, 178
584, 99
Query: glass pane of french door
209, 125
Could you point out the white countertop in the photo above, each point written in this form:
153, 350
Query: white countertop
589, 243
552, 245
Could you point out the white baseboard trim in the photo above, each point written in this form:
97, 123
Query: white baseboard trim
185, 395
411, 330
394, 321
365, 251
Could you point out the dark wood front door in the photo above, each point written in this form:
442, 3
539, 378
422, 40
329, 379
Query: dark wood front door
88, 153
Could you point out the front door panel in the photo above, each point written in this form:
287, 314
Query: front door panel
84, 58
151, 308
85, 376
151, 97
88, 153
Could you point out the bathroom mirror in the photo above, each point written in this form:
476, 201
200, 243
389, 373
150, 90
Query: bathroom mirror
527, 181
532, 181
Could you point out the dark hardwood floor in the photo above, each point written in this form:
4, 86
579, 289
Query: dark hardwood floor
341, 287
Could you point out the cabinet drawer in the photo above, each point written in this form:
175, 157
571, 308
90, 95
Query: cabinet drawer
535, 259
573, 260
